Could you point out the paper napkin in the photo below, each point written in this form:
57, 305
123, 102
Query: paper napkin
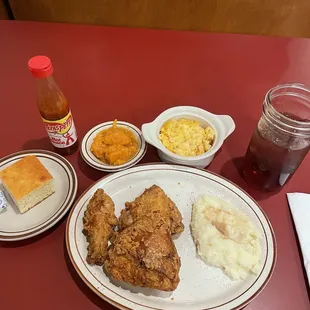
300, 207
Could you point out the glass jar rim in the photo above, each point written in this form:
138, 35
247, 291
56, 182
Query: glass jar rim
281, 121
282, 86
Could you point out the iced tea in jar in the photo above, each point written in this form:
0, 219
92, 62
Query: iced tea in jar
281, 139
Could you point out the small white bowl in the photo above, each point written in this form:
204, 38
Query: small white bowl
223, 126
94, 162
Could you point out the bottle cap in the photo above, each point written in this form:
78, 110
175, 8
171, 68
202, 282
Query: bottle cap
40, 66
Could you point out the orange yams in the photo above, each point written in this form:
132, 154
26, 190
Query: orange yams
115, 146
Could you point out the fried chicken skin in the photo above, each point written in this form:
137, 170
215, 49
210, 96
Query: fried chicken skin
142, 253
155, 205
144, 256
98, 223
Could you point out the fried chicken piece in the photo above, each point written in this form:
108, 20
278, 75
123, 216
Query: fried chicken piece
142, 252
144, 256
155, 205
98, 222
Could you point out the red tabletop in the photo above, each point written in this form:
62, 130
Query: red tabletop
133, 75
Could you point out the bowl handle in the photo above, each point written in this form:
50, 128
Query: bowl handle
228, 124
147, 132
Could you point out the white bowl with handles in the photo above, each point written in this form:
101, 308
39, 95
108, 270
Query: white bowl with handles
223, 126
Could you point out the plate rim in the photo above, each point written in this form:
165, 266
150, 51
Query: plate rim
62, 211
107, 168
121, 306
135, 163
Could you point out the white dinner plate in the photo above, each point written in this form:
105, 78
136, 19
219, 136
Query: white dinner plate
95, 163
201, 286
16, 226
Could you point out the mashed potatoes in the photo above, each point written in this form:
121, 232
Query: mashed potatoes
186, 137
225, 237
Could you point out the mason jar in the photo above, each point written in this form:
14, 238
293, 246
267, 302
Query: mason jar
281, 139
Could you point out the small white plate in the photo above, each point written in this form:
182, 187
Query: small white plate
16, 226
201, 286
95, 163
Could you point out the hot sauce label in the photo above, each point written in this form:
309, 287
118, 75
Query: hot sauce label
61, 132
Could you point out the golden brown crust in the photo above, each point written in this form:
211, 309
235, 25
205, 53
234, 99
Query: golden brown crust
155, 205
24, 176
145, 257
98, 222
142, 253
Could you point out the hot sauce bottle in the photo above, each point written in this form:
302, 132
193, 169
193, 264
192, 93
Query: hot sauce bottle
53, 107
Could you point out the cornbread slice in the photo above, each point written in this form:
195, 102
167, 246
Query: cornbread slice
28, 182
